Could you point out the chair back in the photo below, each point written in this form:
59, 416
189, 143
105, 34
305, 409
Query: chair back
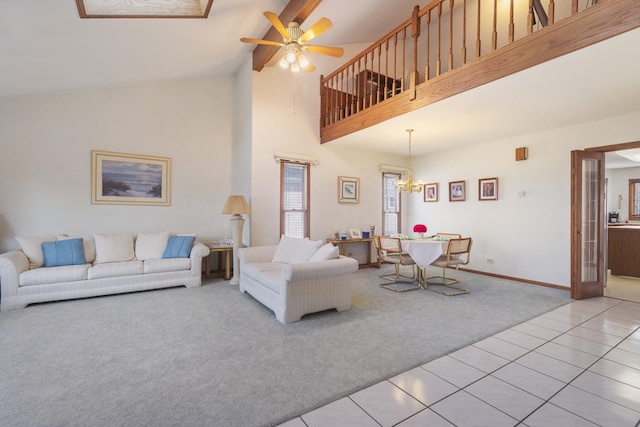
458, 247
449, 235
390, 245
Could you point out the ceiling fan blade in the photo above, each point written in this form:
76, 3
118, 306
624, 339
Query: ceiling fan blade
316, 29
275, 21
325, 50
260, 41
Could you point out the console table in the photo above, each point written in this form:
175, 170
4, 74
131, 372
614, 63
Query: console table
342, 244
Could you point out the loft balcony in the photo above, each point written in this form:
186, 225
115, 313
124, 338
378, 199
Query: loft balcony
451, 46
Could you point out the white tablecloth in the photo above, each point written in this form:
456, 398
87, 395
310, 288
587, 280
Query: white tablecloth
424, 251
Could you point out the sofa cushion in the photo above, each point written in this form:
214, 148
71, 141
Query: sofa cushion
32, 248
63, 252
178, 247
151, 245
293, 251
115, 269
168, 264
326, 252
114, 248
43, 276
254, 270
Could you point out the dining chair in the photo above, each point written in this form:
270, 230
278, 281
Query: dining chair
449, 235
458, 253
389, 251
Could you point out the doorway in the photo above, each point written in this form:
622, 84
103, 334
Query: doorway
589, 281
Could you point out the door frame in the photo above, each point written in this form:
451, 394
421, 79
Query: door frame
575, 188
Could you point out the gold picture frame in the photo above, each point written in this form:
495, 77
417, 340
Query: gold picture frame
348, 189
130, 179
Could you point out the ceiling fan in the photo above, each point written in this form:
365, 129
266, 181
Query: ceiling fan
295, 43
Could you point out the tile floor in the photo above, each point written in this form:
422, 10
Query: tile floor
578, 365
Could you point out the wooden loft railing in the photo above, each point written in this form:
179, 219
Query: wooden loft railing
451, 46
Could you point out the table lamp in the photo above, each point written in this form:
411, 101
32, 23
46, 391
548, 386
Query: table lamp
236, 206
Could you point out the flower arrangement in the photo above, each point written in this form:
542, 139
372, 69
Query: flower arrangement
420, 229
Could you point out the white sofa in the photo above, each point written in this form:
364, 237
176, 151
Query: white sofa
134, 264
293, 289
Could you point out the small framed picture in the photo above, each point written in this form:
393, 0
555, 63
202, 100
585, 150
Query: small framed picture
488, 189
431, 192
355, 234
457, 191
348, 189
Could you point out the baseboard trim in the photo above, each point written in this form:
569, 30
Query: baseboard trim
518, 279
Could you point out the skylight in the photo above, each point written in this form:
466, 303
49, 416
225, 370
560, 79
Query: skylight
144, 8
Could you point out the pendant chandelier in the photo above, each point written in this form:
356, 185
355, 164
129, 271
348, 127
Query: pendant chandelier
408, 185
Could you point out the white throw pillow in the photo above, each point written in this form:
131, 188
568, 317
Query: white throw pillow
326, 252
151, 245
114, 247
294, 251
32, 248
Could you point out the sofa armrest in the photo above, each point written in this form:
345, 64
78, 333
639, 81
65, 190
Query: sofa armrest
313, 270
11, 265
199, 250
256, 254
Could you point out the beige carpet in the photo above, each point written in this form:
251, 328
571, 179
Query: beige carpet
623, 287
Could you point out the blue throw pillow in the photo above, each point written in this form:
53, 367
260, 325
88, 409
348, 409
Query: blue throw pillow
63, 252
178, 247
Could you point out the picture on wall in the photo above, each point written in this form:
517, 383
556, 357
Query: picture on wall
457, 191
131, 179
488, 189
431, 192
348, 189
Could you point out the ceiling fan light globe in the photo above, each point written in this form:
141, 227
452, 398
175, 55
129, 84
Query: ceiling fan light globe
295, 67
303, 61
283, 63
290, 57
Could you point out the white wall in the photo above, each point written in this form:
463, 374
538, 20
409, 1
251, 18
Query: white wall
618, 185
286, 111
527, 237
45, 187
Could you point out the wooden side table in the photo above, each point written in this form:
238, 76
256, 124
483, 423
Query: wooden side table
342, 244
220, 249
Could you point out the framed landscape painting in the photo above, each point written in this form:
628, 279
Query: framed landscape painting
131, 179
348, 189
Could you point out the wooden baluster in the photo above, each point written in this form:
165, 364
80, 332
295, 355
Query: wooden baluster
381, 82
334, 100
494, 34
478, 42
322, 102
404, 57
353, 92
369, 77
552, 10
395, 61
415, 33
358, 83
464, 32
450, 35
427, 66
343, 96
438, 63
574, 7
386, 67
511, 24
530, 18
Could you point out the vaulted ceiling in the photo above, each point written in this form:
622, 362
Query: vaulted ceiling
45, 47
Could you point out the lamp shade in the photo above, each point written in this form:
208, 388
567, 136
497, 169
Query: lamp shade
236, 204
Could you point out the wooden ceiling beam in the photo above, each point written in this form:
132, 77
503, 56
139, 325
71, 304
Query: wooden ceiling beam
296, 10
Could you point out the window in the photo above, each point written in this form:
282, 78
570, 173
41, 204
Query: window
634, 200
391, 204
294, 199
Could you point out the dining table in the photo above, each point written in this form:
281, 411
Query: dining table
423, 252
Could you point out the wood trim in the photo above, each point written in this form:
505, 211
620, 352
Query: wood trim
517, 279
614, 147
295, 10
82, 11
609, 19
